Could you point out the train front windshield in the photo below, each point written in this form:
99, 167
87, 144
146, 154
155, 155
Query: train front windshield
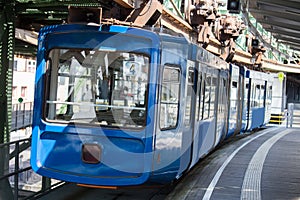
97, 87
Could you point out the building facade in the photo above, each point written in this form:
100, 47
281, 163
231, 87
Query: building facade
23, 79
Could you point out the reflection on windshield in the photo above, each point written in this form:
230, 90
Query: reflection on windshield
98, 87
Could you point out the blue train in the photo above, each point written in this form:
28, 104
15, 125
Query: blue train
121, 106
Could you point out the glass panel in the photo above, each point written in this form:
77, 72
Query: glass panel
256, 95
224, 95
169, 100
262, 96
233, 96
206, 96
213, 92
97, 87
201, 95
198, 97
189, 95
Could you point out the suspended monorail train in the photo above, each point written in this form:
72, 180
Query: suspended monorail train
121, 106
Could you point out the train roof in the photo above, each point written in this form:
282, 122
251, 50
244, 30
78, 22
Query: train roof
163, 34
258, 75
159, 35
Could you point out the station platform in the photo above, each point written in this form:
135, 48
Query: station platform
261, 165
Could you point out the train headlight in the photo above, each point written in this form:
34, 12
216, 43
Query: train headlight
91, 153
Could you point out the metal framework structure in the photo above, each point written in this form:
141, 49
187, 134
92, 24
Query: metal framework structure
7, 33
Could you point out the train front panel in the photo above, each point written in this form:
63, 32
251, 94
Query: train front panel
95, 104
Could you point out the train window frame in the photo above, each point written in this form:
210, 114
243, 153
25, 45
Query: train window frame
162, 87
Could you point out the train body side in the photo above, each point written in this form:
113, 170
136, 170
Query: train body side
210, 120
259, 86
124, 106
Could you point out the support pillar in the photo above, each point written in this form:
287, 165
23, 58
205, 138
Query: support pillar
7, 36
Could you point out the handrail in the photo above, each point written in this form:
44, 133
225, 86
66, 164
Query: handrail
19, 147
21, 115
17, 169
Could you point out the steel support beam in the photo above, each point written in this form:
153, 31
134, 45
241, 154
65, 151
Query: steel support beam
292, 5
7, 37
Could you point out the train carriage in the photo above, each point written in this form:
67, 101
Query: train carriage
119, 106
259, 88
234, 109
95, 104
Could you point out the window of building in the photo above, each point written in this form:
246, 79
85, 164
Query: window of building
23, 91
14, 92
15, 65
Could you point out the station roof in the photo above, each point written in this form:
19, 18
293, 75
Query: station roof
280, 17
32, 15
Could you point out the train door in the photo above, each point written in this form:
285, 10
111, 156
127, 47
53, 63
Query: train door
188, 120
172, 145
257, 91
233, 99
214, 101
268, 97
263, 99
205, 123
250, 100
168, 134
201, 71
222, 103
243, 98
258, 103
239, 119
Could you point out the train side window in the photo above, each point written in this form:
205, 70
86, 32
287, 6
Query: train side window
189, 96
233, 95
246, 94
199, 97
262, 96
213, 93
255, 95
234, 84
202, 96
222, 96
270, 92
225, 94
169, 97
206, 97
